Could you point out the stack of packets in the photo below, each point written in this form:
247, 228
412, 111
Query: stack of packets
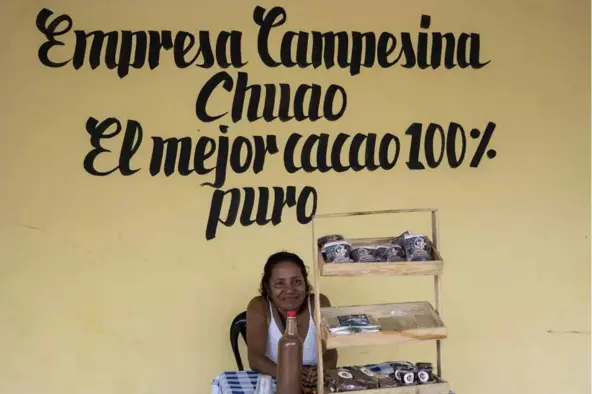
349, 324
406, 247
361, 378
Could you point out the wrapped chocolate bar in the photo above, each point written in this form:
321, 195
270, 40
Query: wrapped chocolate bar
395, 253
423, 372
403, 373
391, 251
382, 252
341, 380
337, 252
365, 377
384, 381
417, 248
363, 253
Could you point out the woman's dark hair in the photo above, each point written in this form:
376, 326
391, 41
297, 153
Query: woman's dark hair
281, 257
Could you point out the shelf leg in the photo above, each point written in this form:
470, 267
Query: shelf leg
317, 314
437, 292
437, 289
439, 358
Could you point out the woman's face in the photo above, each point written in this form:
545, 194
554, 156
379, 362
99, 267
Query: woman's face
287, 287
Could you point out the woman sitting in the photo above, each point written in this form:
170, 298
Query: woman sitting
284, 287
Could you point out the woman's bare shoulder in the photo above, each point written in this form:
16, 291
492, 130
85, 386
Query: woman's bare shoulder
257, 304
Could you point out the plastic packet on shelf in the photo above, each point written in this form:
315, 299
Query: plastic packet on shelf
417, 247
364, 253
350, 324
385, 381
365, 375
337, 252
342, 380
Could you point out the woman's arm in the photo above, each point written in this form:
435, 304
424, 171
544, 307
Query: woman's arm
257, 339
329, 355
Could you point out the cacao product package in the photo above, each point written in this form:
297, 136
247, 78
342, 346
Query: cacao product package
342, 380
417, 248
337, 252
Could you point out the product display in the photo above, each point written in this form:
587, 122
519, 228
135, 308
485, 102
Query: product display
341, 253
401, 318
349, 324
359, 378
405, 247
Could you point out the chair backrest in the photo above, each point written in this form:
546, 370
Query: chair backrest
238, 327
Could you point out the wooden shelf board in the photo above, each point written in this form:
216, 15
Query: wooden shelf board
432, 388
400, 322
403, 268
364, 213
383, 337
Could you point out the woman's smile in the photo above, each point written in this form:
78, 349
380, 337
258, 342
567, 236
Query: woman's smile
292, 301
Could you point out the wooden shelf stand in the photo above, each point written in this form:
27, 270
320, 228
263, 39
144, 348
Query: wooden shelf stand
400, 322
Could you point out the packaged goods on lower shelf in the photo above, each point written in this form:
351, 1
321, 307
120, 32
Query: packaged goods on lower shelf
359, 378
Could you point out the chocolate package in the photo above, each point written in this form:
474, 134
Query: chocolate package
405, 376
406, 373
417, 248
342, 380
385, 381
390, 253
337, 252
424, 372
365, 376
363, 254
374, 380
403, 373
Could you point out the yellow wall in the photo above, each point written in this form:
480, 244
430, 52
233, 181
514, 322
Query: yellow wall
108, 285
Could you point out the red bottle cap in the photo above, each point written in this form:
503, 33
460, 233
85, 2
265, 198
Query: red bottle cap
291, 313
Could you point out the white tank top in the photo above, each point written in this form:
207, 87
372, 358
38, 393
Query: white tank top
309, 348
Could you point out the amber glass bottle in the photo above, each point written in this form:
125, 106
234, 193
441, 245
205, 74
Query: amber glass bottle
289, 373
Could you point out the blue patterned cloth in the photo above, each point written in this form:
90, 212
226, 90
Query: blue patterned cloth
245, 382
